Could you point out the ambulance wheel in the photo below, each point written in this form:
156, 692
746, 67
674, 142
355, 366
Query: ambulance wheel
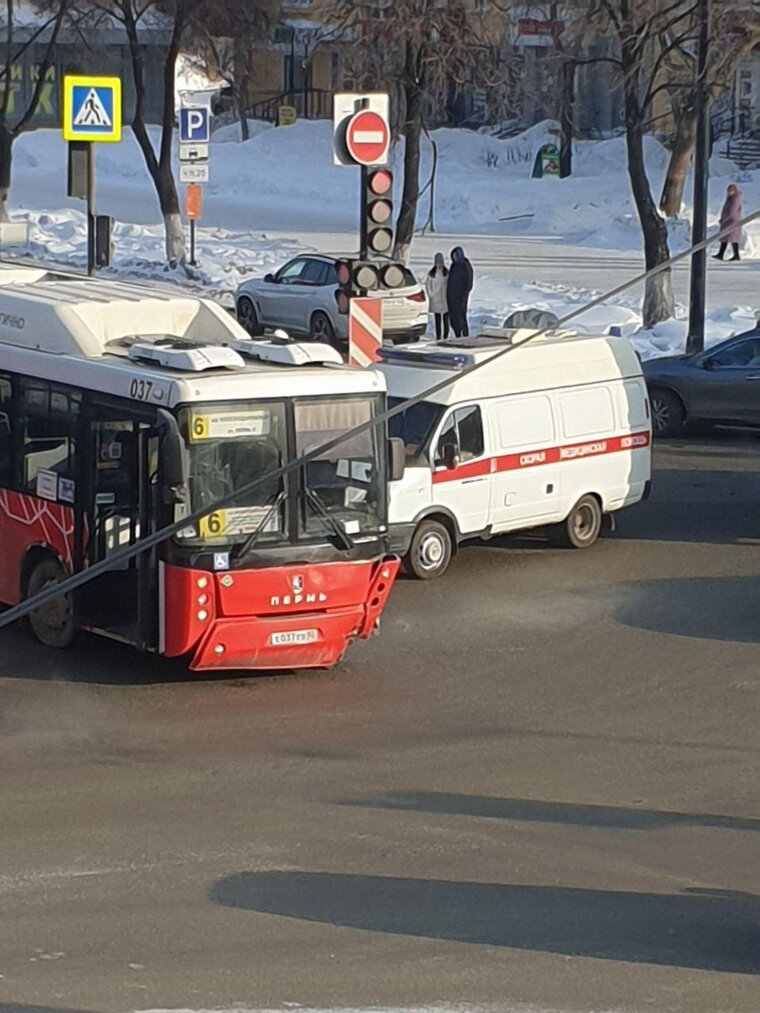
247, 315
321, 328
52, 623
430, 552
582, 526
667, 413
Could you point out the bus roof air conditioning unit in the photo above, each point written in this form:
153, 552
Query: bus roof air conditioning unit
185, 355
294, 353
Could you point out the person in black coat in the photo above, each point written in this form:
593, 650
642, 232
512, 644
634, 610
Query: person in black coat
458, 291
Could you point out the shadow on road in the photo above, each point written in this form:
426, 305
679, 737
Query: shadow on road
707, 608
560, 813
21, 1008
101, 662
709, 930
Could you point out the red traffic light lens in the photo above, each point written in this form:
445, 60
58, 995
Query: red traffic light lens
380, 182
344, 272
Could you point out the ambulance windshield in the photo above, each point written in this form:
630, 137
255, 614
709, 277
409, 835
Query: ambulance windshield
414, 425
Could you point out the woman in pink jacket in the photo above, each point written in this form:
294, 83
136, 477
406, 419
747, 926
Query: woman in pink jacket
731, 214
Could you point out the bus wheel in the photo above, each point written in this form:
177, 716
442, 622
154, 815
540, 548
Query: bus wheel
582, 526
429, 554
53, 622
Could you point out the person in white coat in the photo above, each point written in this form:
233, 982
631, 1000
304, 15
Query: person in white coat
436, 284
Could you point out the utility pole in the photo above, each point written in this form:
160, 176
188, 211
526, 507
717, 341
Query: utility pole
695, 342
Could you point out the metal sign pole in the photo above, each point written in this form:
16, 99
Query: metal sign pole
695, 341
192, 243
90, 208
363, 213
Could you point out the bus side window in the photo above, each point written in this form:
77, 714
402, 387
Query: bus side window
6, 432
48, 446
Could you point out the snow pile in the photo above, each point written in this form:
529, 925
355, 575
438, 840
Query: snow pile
284, 179
225, 258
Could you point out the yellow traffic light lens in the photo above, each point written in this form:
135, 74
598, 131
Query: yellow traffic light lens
380, 240
393, 276
366, 277
380, 211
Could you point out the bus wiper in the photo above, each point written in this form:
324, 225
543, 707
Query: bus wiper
251, 540
319, 506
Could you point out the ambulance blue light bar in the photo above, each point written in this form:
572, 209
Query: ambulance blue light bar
446, 360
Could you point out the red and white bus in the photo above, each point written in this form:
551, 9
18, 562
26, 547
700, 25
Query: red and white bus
123, 409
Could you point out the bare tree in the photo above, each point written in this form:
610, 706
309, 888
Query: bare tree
224, 37
171, 17
646, 32
738, 32
419, 51
15, 117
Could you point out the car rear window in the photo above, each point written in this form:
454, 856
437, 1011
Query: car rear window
315, 272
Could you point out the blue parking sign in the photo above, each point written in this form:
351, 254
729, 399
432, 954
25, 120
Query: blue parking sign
194, 126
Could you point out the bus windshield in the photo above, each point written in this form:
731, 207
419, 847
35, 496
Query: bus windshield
339, 495
344, 485
228, 448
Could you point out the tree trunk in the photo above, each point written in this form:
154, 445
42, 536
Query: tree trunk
411, 186
658, 291
169, 202
160, 168
678, 166
566, 100
6, 155
244, 131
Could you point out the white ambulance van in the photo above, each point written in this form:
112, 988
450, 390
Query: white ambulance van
556, 433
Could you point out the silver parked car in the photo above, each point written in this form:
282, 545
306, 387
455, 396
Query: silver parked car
302, 298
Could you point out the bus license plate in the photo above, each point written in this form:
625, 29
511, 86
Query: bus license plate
294, 637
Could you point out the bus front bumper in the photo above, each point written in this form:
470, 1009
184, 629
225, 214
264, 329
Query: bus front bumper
308, 640
276, 618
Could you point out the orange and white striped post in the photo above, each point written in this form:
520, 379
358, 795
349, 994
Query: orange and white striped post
365, 331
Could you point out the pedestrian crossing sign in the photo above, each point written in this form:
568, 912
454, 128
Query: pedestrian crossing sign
91, 108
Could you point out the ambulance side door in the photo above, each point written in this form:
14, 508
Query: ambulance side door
461, 468
526, 467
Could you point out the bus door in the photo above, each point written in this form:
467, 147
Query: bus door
123, 601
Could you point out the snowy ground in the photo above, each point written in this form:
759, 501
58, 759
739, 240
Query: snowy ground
546, 243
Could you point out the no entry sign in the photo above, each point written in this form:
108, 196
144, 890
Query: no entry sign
367, 138
361, 135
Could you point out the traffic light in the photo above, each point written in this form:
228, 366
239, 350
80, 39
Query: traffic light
377, 213
345, 288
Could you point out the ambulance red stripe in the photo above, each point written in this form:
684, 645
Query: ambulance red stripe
545, 455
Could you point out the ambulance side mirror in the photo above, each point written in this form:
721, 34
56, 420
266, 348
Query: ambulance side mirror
396, 458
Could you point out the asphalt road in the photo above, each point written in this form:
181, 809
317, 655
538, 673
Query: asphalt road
536, 790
